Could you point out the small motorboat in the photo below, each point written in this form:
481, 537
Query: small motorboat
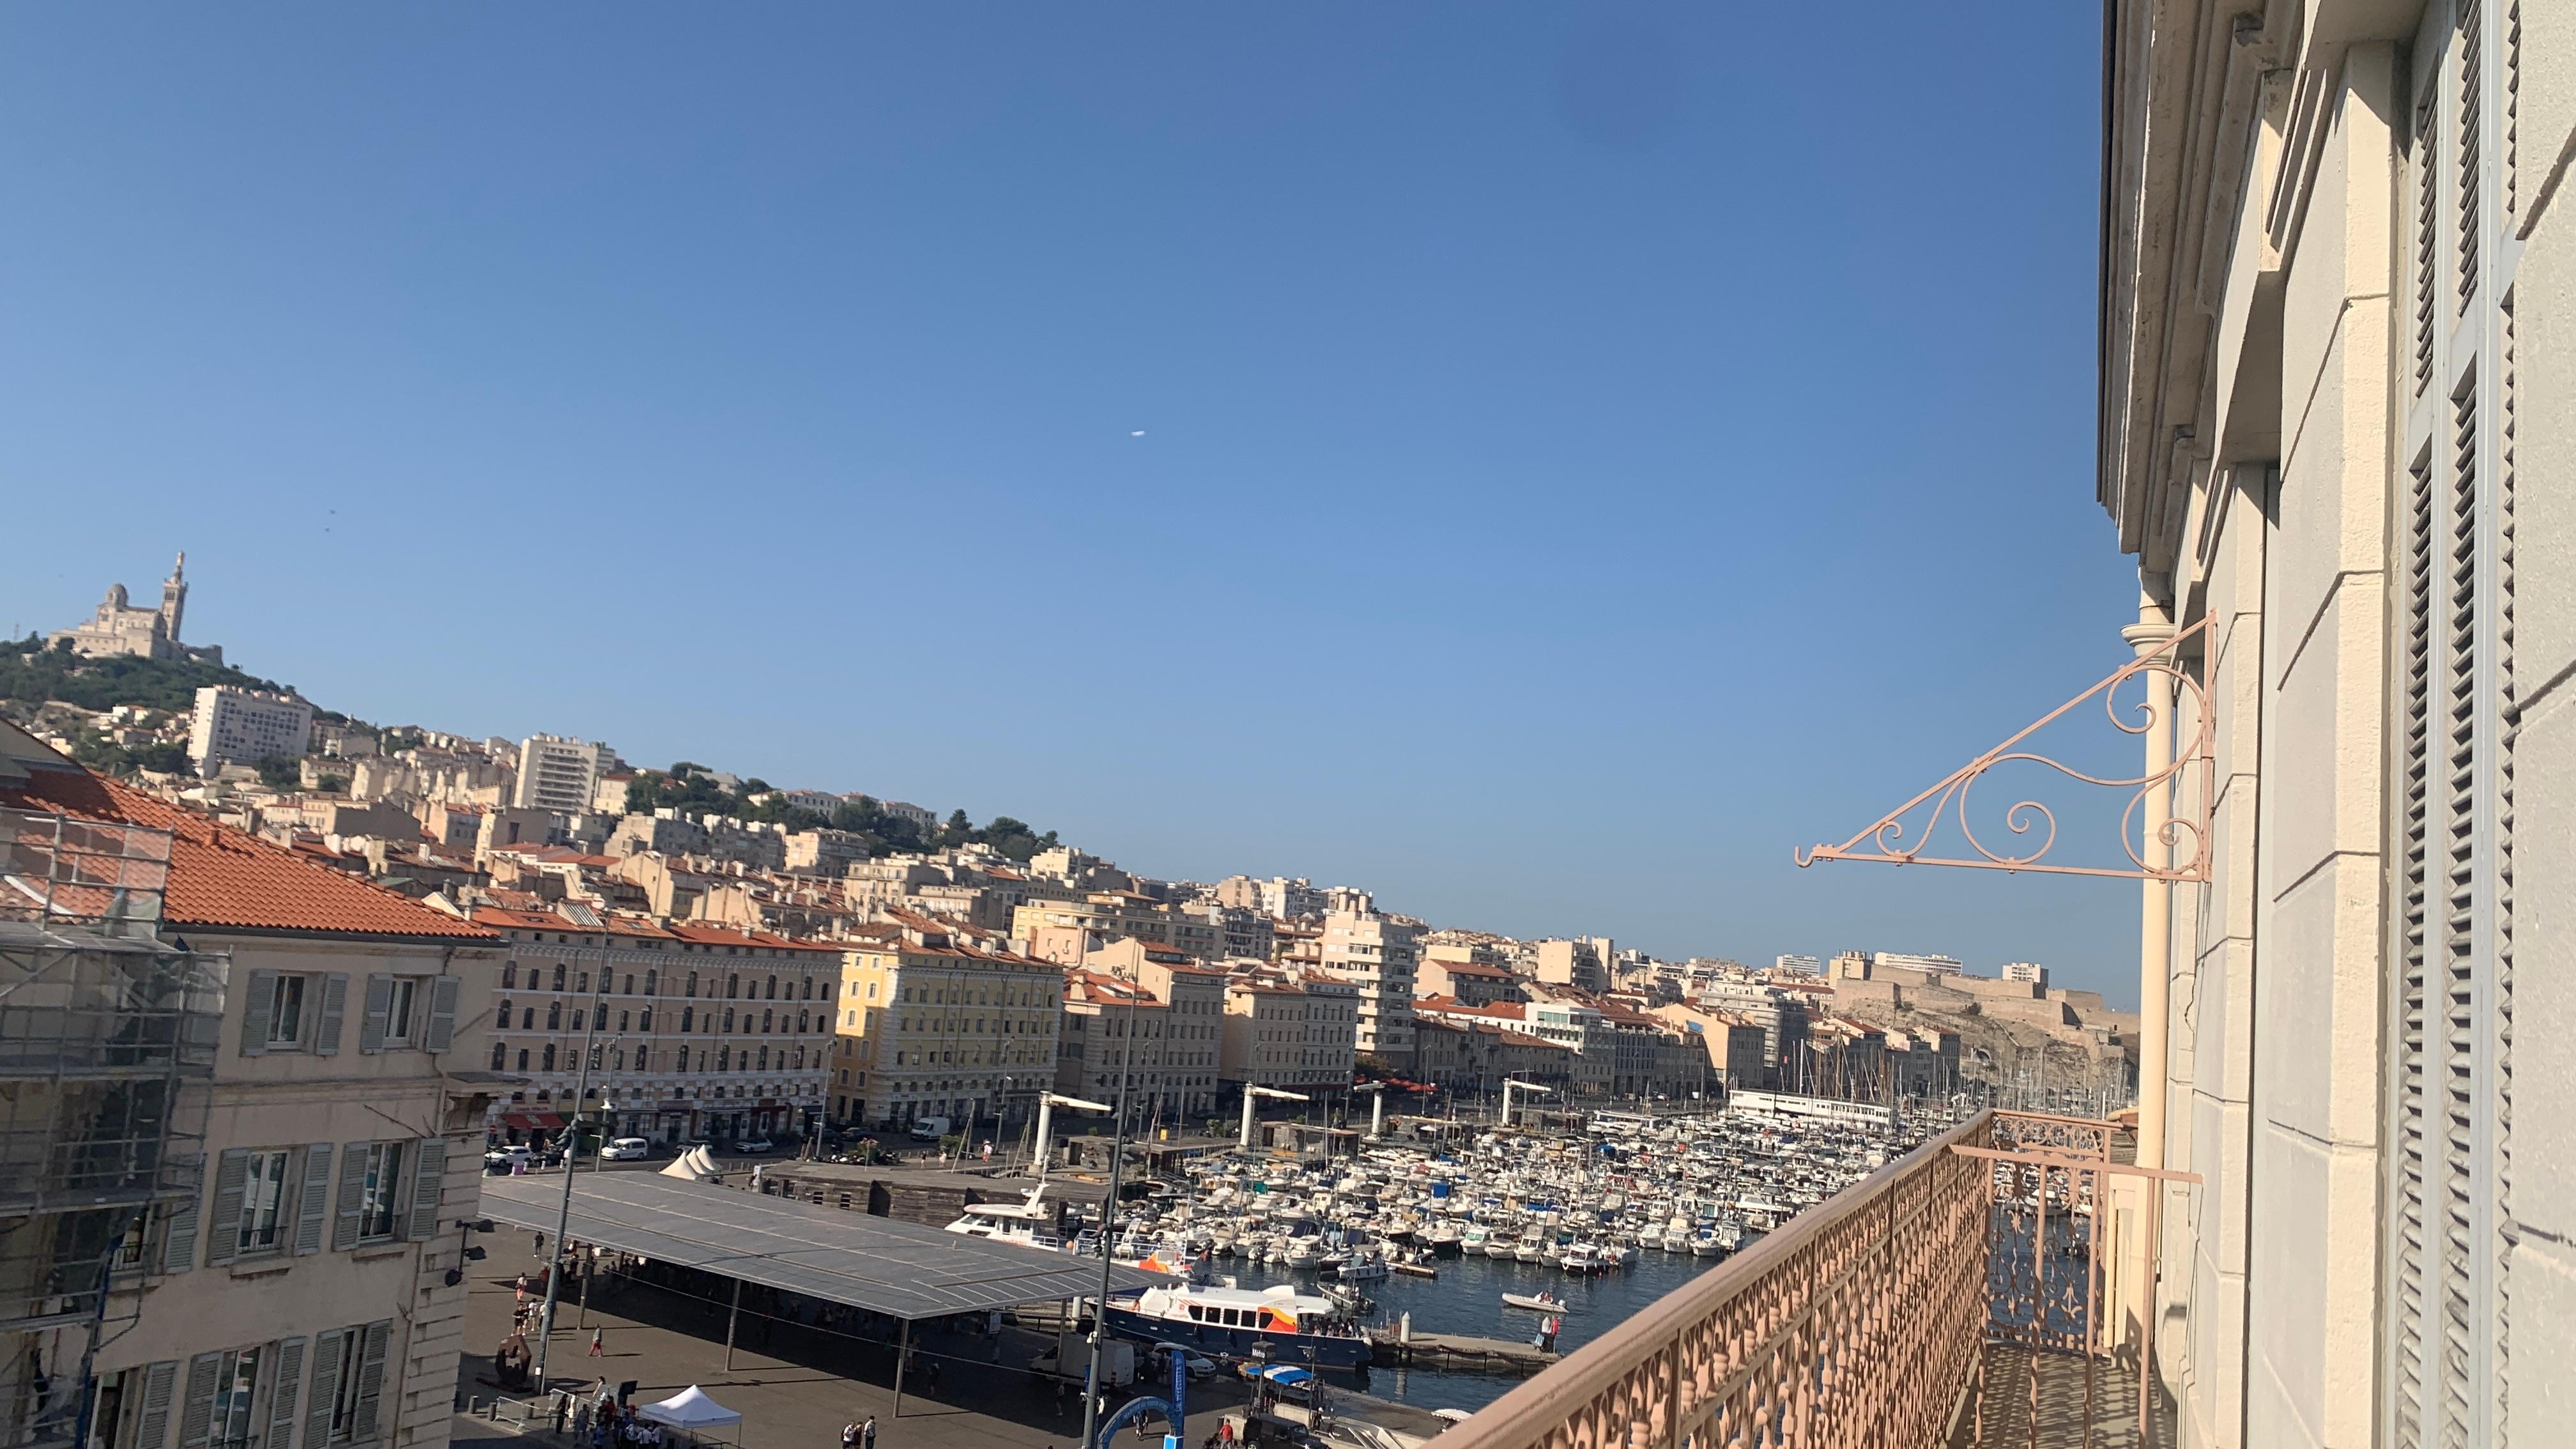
1536, 1302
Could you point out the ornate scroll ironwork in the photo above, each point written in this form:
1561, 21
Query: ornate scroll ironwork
2184, 835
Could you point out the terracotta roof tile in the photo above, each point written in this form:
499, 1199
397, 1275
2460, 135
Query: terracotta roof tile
221, 877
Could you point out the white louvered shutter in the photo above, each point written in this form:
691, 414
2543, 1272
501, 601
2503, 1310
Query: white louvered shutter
283, 1394
2448, 1227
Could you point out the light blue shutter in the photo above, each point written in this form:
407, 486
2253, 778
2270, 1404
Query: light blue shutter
335, 1005
316, 1201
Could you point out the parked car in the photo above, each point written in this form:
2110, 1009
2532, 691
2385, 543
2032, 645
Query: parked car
504, 1159
626, 1149
754, 1146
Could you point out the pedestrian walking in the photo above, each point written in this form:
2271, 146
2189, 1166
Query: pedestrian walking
523, 1290
868, 1433
581, 1422
598, 1343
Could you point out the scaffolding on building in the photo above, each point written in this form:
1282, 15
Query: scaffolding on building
107, 1039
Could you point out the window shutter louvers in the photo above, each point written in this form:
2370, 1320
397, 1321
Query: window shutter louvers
353, 1194
316, 1202
428, 1183
179, 1231
223, 1236
335, 1005
441, 1032
152, 1426
197, 1410
327, 1351
380, 1005
283, 1394
255, 1012
371, 1379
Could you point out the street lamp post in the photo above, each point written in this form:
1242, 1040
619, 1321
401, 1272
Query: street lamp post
572, 1159
1108, 1227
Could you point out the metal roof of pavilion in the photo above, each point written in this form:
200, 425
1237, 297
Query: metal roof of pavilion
900, 1269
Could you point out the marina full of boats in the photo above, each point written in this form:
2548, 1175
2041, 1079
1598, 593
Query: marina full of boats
1276, 1255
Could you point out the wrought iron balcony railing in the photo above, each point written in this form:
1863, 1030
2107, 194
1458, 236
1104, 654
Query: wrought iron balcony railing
1947, 1299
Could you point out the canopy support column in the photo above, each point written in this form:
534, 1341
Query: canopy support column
902, 1357
731, 1316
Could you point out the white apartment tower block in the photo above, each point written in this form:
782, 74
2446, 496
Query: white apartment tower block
245, 726
1377, 956
560, 774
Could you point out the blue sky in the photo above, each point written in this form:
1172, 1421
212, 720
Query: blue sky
1585, 451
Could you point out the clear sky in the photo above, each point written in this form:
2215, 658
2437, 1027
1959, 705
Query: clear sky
1538, 462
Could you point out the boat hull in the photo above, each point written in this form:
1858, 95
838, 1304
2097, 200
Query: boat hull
1300, 1349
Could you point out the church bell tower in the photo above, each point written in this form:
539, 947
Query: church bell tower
174, 598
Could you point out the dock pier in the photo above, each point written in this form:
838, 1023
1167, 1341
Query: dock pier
1458, 1353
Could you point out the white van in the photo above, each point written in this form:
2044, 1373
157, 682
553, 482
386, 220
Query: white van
929, 1129
626, 1149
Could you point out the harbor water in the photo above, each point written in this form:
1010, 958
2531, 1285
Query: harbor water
1467, 1299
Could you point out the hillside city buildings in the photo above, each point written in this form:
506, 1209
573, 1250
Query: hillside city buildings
245, 726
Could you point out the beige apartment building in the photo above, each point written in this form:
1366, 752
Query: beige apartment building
1377, 955
1296, 1032
934, 1025
1111, 914
253, 1134
2338, 424
692, 1030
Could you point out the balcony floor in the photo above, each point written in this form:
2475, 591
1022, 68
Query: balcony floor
2082, 1404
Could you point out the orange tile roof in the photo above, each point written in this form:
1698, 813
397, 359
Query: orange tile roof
223, 878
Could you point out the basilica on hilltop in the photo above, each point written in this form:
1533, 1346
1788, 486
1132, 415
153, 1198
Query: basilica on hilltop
118, 627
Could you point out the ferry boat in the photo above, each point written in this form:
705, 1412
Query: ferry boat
1288, 1326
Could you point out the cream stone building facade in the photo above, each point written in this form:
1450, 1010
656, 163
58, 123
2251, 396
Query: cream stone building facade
280, 1222
2338, 430
933, 1024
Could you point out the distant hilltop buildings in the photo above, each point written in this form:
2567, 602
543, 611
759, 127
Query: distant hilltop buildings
119, 628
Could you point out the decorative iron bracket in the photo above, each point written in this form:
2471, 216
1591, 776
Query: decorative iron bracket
2185, 835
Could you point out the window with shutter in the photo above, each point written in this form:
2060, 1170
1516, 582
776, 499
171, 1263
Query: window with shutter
316, 1203
324, 1409
335, 1006
197, 1407
380, 1000
429, 1182
371, 1380
2449, 1078
441, 1031
285, 1391
152, 1424
352, 1199
223, 1236
256, 1003
179, 1233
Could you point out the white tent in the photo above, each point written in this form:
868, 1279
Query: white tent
697, 1164
690, 1408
